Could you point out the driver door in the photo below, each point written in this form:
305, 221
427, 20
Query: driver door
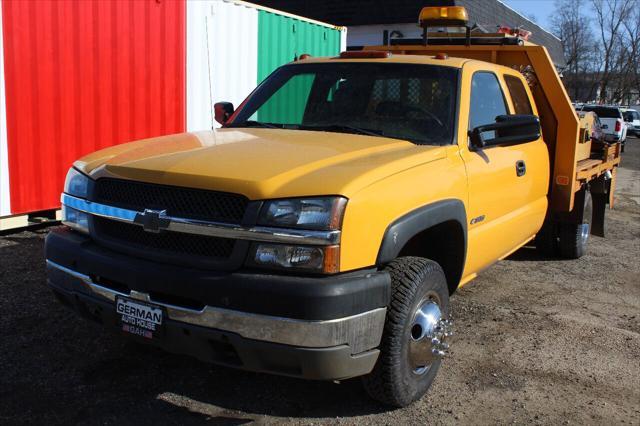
507, 184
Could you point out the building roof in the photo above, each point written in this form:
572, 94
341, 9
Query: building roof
488, 14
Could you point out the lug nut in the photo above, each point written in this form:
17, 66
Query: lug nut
438, 353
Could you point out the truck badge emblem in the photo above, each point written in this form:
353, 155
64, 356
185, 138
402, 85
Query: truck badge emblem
477, 219
153, 220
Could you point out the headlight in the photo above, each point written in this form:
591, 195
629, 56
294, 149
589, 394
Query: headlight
76, 184
305, 258
75, 219
307, 213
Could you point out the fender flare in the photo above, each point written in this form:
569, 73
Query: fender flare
411, 224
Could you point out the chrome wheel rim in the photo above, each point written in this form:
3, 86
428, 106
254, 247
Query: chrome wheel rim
427, 335
584, 233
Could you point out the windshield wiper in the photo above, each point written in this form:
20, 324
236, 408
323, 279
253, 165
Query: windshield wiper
344, 127
253, 123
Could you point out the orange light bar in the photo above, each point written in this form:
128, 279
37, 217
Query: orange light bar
443, 16
365, 54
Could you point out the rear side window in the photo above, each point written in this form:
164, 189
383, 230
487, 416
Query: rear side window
604, 112
487, 100
631, 115
518, 94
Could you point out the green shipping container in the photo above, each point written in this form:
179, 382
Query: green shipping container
282, 39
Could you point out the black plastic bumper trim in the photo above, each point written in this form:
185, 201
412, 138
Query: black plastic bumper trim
297, 297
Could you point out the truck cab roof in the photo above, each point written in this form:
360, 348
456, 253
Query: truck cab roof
450, 61
394, 59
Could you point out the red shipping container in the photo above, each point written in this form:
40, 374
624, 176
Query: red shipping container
80, 76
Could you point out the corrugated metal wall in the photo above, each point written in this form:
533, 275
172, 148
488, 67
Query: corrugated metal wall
5, 203
222, 45
281, 39
84, 75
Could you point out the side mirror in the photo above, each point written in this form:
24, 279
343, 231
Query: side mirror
222, 111
508, 129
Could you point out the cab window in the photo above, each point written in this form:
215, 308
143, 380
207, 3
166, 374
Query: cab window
487, 101
518, 94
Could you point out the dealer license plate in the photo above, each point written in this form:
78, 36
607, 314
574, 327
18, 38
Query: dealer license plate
139, 318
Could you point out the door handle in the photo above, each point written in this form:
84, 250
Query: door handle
521, 168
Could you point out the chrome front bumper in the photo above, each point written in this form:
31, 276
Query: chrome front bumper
360, 332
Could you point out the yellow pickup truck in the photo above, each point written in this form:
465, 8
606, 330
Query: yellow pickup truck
321, 231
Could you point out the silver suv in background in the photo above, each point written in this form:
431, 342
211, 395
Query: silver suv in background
632, 119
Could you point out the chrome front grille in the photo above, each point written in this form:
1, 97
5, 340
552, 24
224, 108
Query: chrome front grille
168, 246
182, 202
167, 242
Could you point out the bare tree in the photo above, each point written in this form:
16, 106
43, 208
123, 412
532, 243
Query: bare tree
632, 41
573, 27
609, 16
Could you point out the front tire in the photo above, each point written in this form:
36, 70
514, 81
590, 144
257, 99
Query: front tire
416, 326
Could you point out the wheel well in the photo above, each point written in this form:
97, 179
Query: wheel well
443, 243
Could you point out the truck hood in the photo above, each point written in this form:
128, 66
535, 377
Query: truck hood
261, 163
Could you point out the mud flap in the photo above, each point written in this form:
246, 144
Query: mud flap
597, 218
601, 194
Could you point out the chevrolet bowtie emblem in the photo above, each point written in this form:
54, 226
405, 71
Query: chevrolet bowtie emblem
153, 220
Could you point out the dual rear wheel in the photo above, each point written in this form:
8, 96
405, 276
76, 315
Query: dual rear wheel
567, 239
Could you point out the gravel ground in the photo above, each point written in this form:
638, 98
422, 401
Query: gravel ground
537, 341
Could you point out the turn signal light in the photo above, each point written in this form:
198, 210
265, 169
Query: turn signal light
443, 16
365, 54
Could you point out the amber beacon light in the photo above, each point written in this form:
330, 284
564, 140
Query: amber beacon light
443, 16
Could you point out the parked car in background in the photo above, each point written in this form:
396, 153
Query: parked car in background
632, 120
613, 124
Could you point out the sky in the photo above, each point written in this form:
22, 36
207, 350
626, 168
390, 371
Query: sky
541, 9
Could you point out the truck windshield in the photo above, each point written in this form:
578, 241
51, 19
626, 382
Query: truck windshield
404, 101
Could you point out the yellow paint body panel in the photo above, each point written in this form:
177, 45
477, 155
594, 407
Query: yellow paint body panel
513, 208
261, 163
271, 163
